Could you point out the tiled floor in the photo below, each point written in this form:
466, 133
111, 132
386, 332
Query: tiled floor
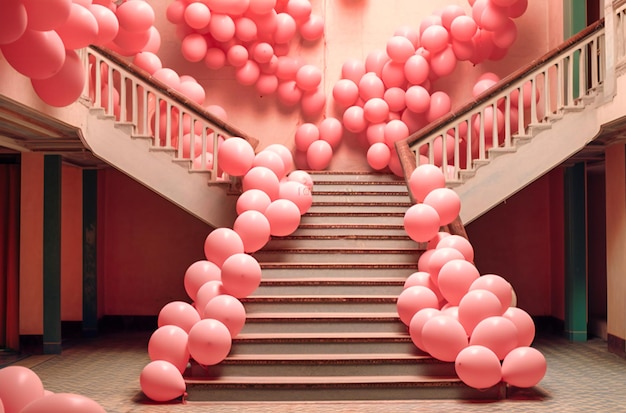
581, 377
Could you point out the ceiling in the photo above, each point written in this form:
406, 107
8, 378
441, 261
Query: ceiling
23, 129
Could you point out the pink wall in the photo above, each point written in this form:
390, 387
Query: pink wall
515, 241
147, 245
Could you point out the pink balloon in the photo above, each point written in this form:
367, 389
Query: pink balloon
267, 24
371, 86
254, 230
298, 193
424, 179
376, 133
253, 199
446, 202
209, 342
228, 310
331, 131
399, 49
64, 87
161, 381
497, 285
241, 275
20, 387
417, 99
478, 367
345, 92
319, 154
135, 16
395, 98
493, 17
463, 51
395, 130
393, 75
422, 262
376, 110
459, 243
354, 119
169, 343
284, 217
64, 403
262, 52
308, 77
313, 102
463, 28
197, 274
245, 29
45, 57
432, 243
168, 76
435, 38
222, 27
455, 278
410, 33
353, 70
232, 7
285, 28
423, 278
262, 6
413, 299
497, 333
263, 178
178, 313
524, 367
421, 222
375, 61
248, 73
284, 153
417, 324
197, 15
14, 20
378, 156
524, 324
439, 258
272, 161
235, 156
289, 94
194, 47
313, 28
220, 244
215, 58
440, 105
517, 9
206, 293
443, 63
175, 11
80, 29
306, 134
449, 13
443, 337
299, 9
477, 305
287, 67
196, 93
148, 61
302, 177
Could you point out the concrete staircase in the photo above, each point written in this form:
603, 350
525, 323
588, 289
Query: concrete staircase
323, 324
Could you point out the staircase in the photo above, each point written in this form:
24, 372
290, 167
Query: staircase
323, 324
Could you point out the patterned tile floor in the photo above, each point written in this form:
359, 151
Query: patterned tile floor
581, 377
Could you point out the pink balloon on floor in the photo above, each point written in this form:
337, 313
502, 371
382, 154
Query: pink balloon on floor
413, 299
497, 333
497, 285
455, 278
421, 222
424, 179
284, 217
197, 274
241, 275
524, 323
524, 367
477, 305
20, 387
443, 337
229, 310
161, 381
64, 403
178, 313
253, 199
169, 343
220, 244
478, 367
253, 229
417, 324
209, 342
263, 178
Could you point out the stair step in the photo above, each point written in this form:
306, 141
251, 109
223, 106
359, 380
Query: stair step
356, 270
329, 286
353, 176
352, 218
345, 255
346, 241
315, 303
330, 388
276, 323
350, 207
358, 229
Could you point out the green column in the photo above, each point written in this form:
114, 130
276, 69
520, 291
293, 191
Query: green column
52, 255
90, 279
574, 20
575, 253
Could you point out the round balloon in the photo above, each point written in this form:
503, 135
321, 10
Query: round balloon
20, 387
64, 403
220, 244
209, 342
161, 381
241, 275
524, 367
478, 367
169, 343
229, 310
283, 216
199, 273
178, 313
444, 337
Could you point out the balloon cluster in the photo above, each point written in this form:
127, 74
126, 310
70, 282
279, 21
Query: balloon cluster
253, 37
274, 197
391, 94
452, 312
21, 391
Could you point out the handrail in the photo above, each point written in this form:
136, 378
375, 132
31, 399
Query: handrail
154, 109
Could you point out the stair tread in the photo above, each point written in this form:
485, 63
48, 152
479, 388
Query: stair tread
382, 357
324, 380
334, 281
322, 336
326, 265
323, 316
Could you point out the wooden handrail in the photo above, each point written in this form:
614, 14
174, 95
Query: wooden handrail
175, 95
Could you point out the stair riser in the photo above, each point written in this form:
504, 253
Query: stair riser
366, 368
348, 290
305, 307
358, 187
321, 243
278, 327
329, 231
330, 273
374, 347
349, 208
380, 199
333, 392
321, 177
365, 256
328, 219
